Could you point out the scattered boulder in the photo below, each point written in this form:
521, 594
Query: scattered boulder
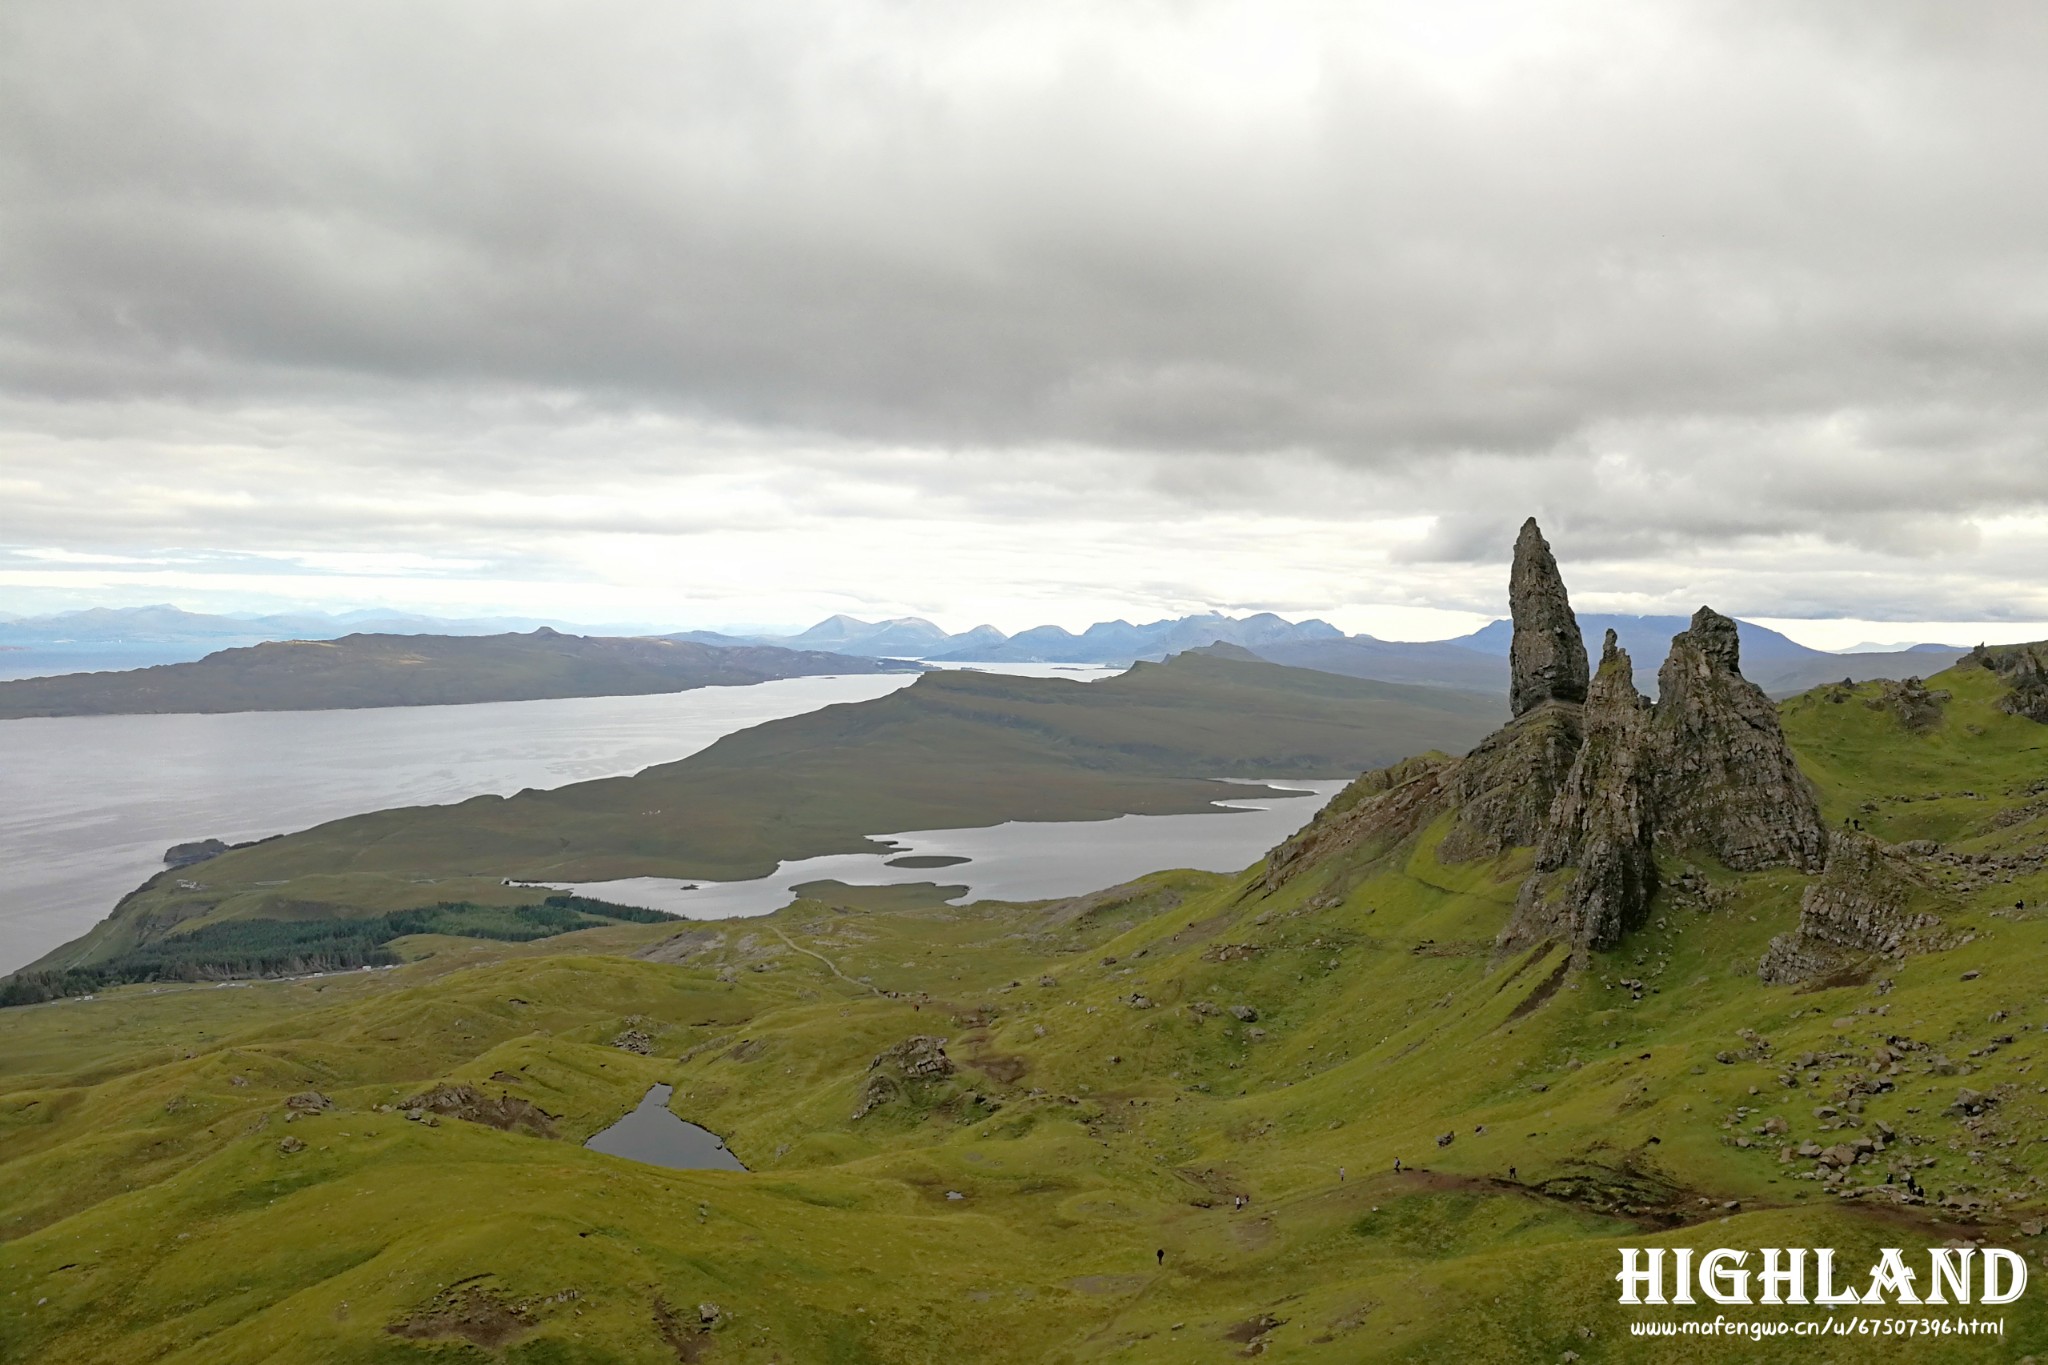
290, 1145
634, 1040
1244, 1014
308, 1102
1968, 1101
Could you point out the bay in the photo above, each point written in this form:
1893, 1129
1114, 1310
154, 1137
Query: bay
88, 804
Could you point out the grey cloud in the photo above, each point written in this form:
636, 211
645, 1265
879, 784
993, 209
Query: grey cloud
769, 217
1751, 277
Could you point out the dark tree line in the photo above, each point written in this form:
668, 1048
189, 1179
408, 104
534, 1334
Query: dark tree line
239, 949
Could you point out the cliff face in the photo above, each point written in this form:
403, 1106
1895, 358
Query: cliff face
1726, 780
1503, 788
1595, 871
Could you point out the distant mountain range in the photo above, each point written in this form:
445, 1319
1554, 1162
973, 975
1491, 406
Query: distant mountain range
120, 638
1106, 642
1473, 663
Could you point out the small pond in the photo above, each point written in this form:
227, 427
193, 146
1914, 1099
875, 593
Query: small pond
654, 1135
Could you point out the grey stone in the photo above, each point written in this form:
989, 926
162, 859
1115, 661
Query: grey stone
1726, 780
1547, 658
1595, 871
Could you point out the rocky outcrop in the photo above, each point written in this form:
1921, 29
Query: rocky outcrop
1910, 703
466, 1102
1864, 906
1547, 658
2025, 670
184, 855
1595, 869
1503, 788
1376, 811
921, 1058
1726, 782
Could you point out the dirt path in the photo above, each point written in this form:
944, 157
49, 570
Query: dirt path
830, 965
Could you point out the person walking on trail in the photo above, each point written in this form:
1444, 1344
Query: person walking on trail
1397, 1165
1340, 1175
1162, 1257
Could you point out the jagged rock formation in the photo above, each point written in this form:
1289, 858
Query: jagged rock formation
1594, 778
1862, 907
1726, 781
1547, 658
1380, 808
1915, 707
1595, 870
2025, 670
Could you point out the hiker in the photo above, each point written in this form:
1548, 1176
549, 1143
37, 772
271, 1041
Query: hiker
1511, 1173
1340, 1175
1397, 1165
1162, 1256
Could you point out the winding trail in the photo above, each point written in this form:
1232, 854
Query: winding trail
830, 965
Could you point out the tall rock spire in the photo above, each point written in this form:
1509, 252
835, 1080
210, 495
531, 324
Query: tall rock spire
1504, 787
1547, 660
1595, 871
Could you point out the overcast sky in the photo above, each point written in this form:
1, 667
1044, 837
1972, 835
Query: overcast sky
698, 314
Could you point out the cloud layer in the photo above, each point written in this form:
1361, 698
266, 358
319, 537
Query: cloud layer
973, 308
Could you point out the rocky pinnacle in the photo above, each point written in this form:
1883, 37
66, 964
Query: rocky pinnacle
1548, 657
1726, 779
1595, 871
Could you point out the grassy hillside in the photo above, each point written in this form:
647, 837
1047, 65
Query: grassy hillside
951, 750
417, 670
1105, 1104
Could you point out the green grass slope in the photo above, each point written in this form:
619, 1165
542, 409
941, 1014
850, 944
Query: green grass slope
1105, 1104
952, 750
418, 670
